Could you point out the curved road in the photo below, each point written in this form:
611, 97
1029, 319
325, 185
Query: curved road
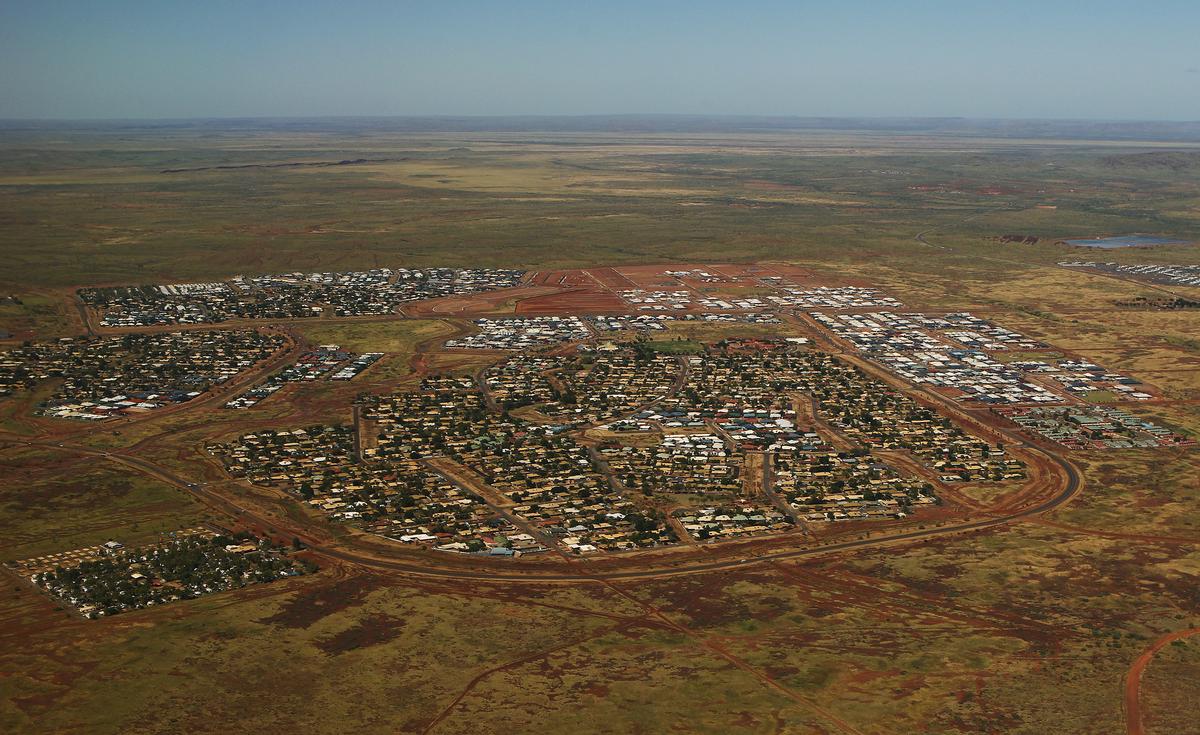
1070, 479
1072, 484
1133, 679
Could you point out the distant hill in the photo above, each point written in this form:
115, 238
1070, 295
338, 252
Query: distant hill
1172, 160
1042, 129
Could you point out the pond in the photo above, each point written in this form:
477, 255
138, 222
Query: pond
1125, 241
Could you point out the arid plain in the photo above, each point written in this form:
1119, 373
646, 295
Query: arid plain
1060, 601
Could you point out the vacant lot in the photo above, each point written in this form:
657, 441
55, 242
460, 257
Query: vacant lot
399, 338
51, 501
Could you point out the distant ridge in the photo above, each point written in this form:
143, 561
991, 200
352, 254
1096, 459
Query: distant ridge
288, 164
1184, 131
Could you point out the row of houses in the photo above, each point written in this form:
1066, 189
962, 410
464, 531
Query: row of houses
678, 463
1082, 377
592, 385
838, 486
539, 472
329, 362
288, 295
523, 333
177, 569
622, 323
1165, 275
103, 377
410, 503
539, 476
1093, 427
687, 301
955, 352
833, 297
943, 351
777, 292
402, 499
554, 485
445, 467
660, 322
751, 392
660, 300
739, 519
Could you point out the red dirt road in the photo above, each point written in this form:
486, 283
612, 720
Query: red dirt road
1133, 679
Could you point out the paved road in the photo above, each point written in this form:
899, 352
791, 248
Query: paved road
84, 316
220, 502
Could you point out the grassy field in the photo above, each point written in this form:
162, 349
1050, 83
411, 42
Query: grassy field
399, 339
53, 502
1139, 493
100, 208
400, 336
1014, 635
675, 346
1172, 678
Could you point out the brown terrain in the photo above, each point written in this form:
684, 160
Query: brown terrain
357, 563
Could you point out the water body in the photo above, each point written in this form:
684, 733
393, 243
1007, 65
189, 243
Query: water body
1125, 241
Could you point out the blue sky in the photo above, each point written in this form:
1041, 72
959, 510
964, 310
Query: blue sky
1012, 59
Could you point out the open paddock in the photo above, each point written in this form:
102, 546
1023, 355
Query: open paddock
575, 301
479, 304
564, 279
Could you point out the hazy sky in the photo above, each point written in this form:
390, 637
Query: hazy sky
211, 58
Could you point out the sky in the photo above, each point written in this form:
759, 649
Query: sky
855, 58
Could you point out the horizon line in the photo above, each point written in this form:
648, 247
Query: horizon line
594, 115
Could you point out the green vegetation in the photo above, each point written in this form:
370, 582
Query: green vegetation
392, 336
672, 347
51, 501
183, 569
399, 338
101, 208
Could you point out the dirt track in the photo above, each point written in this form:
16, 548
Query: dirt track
377, 557
1133, 679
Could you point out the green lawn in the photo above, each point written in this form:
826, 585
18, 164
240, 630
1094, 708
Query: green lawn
675, 346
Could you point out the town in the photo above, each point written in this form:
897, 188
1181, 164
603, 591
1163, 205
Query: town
955, 352
809, 368
326, 361
112, 579
609, 447
1092, 427
104, 377
1163, 275
288, 296
583, 434
520, 333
